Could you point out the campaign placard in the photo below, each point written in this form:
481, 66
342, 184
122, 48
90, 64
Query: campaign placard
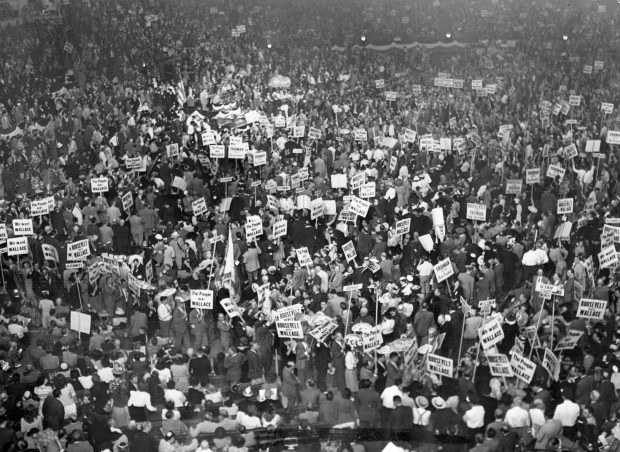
50, 253
346, 216
280, 229
303, 255
80, 322
403, 226
380, 83
569, 341
439, 365
499, 365
443, 270
352, 287
289, 313
607, 108
217, 151
555, 171
608, 257
290, 329
360, 135
565, 205
591, 309
299, 131
574, 100
359, 207
201, 299
23, 227
522, 367
317, 208
613, 137
199, 206
253, 227
99, 185
476, 212
368, 190
491, 334
372, 339
230, 307
78, 250
17, 246
314, 134
485, 306
322, 332
260, 158
3, 232
551, 364
532, 176
409, 136
411, 353
39, 207
349, 251
514, 186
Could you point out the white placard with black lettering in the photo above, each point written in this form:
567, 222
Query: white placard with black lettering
523, 368
199, 206
39, 207
99, 185
23, 227
499, 365
253, 227
514, 186
439, 365
443, 270
476, 212
491, 334
290, 329
403, 226
608, 257
17, 246
303, 255
555, 171
317, 208
613, 137
50, 253
565, 205
368, 190
78, 250
280, 228
372, 339
322, 332
127, 200
569, 341
201, 299
532, 176
349, 251
359, 207
591, 309
230, 307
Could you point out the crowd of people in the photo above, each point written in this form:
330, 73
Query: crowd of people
232, 226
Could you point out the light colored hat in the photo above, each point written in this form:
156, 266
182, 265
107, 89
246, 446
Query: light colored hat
247, 392
421, 401
438, 403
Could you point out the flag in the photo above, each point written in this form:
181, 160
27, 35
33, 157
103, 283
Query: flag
181, 97
230, 272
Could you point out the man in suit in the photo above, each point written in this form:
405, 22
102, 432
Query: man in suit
466, 281
302, 355
401, 420
393, 370
255, 368
200, 367
179, 325
423, 320
337, 351
53, 412
550, 429
368, 405
310, 394
290, 385
232, 363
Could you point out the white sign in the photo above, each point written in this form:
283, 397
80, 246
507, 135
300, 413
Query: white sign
439, 365
39, 207
134, 163
217, 151
607, 108
78, 250
352, 287
50, 253
127, 200
230, 307
565, 205
554, 171
514, 186
613, 137
3, 233
99, 185
532, 176
17, 246
23, 227
260, 158
591, 309
574, 101
289, 313
201, 299
551, 364
80, 322
499, 365
317, 208
359, 207
443, 270
349, 251
403, 226
608, 257
360, 135
303, 255
280, 228
199, 206
321, 332
569, 341
522, 367
368, 190
476, 212
372, 339
253, 227
491, 334
172, 150
290, 329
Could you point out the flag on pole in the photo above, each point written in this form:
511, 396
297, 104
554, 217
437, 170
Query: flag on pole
230, 272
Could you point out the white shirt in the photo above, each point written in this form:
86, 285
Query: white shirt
530, 259
106, 374
425, 268
567, 413
140, 399
474, 417
350, 361
387, 396
175, 396
164, 312
250, 422
517, 417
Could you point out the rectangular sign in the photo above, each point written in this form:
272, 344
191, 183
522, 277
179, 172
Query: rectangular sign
565, 205
499, 365
514, 186
99, 185
608, 257
491, 334
201, 299
17, 246
349, 251
476, 212
591, 309
522, 367
78, 250
443, 270
532, 176
439, 365
23, 227
290, 329
199, 206
322, 332
359, 206
304, 257
569, 341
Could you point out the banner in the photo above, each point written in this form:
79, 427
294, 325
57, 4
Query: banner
591, 309
439, 365
290, 329
201, 299
443, 270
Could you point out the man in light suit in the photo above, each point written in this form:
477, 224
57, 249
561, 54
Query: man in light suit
179, 325
232, 363
302, 356
467, 282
